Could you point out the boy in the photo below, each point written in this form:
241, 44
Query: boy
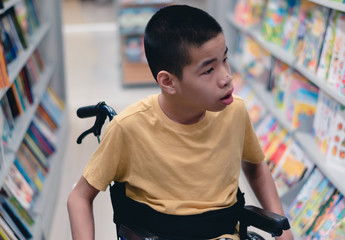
180, 152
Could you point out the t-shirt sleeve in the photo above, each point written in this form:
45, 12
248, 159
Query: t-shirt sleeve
252, 150
105, 165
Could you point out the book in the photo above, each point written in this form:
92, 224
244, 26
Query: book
249, 12
326, 110
4, 79
338, 231
305, 193
36, 151
329, 216
305, 10
290, 26
14, 101
319, 197
303, 114
9, 50
300, 89
327, 47
51, 107
31, 169
335, 69
8, 233
336, 153
293, 166
19, 187
272, 27
280, 82
314, 34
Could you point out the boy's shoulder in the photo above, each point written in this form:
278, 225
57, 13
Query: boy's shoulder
138, 108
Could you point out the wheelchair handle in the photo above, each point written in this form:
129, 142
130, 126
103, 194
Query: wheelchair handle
101, 111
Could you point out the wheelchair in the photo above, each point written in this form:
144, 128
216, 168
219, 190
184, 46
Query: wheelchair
126, 209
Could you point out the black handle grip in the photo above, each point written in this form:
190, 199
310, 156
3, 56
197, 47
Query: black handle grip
88, 111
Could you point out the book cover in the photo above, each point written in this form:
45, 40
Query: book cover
43, 170
30, 168
44, 142
314, 34
9, 50
292, 167
290, 27
303, 114
305, 193
336, 153
281, 81
45, 117
4, 80
319, 197
329, 215
7, 231
36, 151
326, 110
24, 231
336, 60
338, 231
14, 101
249, 12
327, 47
14, 25
300, 89
272, 27
305, 10
18, 186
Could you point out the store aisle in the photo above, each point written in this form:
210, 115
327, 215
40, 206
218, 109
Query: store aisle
92, 67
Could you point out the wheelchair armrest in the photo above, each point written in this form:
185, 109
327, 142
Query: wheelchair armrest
264, 220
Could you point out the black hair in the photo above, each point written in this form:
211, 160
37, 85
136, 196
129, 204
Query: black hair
171, 32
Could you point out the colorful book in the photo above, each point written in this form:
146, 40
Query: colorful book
316, 19
326, 110
290, 27
293, 166
336, 153
327, 47
273, 23
19, 187
335, 70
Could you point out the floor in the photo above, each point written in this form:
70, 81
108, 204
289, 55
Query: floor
92, 68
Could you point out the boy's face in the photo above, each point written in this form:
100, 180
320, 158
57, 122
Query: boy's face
206, 82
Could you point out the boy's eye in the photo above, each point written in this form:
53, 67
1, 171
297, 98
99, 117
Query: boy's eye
225, 59
208, 71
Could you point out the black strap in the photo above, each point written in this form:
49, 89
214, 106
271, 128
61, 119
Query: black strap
194, 227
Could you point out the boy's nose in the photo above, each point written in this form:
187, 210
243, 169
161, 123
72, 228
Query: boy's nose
225, 81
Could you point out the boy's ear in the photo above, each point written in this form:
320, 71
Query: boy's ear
166, 82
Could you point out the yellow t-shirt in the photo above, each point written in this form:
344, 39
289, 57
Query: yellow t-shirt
175, 168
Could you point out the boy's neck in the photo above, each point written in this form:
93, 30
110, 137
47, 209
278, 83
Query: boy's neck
178, 114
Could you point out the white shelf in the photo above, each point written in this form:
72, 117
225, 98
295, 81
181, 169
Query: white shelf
8, 5
330, 4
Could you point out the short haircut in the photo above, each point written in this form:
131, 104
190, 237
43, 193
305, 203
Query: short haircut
171, 32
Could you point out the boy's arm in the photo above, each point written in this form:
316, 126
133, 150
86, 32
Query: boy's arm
261, 182
81, 211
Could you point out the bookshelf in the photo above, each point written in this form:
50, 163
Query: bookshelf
333, 172
133, 16
37, 71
